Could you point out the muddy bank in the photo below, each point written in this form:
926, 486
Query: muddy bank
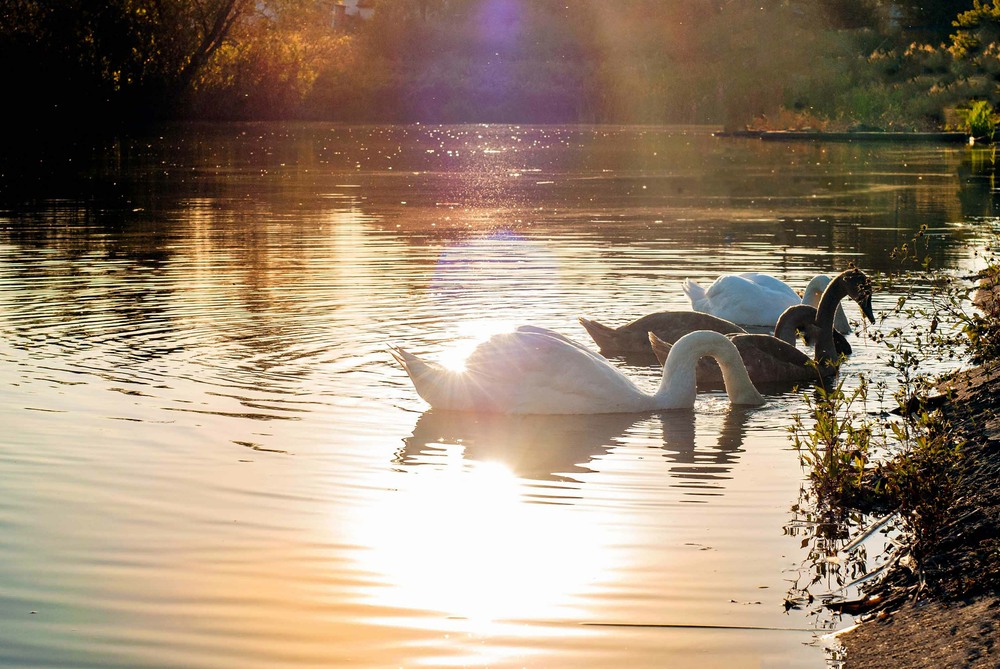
940, 607
929, 633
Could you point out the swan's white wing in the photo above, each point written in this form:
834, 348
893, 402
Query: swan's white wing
745, 302
532, 372
515, 357
772, 285
752, 284
552, 333
731, 285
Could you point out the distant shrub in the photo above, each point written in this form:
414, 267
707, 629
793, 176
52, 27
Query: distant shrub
979, 119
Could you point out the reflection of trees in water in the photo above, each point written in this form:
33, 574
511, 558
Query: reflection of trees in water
679, 191
561, 448
251, 215
144, 249
977, 174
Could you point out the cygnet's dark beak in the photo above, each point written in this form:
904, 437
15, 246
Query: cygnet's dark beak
866, 309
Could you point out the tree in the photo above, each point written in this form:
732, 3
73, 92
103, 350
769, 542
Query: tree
120, 59
199, 30
269, 67
978, 30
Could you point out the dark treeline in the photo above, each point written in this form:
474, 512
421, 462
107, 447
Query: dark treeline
788, 63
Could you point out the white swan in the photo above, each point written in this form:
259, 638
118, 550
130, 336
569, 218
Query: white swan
756, 299
537, 371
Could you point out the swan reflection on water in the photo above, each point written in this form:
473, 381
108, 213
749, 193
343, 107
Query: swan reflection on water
532, 446
699, 468
566, 447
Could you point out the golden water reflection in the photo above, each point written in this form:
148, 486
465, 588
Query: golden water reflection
211, 457
466, 542
504, 523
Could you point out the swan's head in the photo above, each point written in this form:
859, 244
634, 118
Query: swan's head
859, 289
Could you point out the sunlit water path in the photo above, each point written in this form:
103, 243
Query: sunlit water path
209, 459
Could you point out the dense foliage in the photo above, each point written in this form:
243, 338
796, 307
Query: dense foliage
822, 63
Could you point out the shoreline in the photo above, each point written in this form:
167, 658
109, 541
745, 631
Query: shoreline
941, 606
848, 136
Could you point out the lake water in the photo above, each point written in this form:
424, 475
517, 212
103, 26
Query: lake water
209, 459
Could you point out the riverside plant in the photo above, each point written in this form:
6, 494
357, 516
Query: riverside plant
980, 120
860, 455
834, 448
860, 443
871, 452
892, 472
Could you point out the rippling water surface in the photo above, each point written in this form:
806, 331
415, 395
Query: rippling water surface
209, 459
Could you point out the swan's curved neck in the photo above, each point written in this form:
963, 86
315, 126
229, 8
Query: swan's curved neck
793, 319
825, 313
678, 385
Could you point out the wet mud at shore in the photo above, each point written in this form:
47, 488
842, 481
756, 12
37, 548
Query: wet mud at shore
931, 633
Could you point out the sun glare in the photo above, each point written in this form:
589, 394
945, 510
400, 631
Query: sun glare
470, 335
465, 543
